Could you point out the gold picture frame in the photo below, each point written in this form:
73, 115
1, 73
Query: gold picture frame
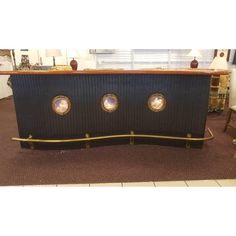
61, 105
156, 107
111, 96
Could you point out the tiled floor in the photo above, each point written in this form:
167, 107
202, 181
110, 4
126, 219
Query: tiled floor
187, 183
226, 182
202, 183
170, 184
139, 184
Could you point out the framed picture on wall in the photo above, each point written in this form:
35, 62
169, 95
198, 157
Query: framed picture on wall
222, 53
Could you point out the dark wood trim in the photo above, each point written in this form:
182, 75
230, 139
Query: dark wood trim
114, 71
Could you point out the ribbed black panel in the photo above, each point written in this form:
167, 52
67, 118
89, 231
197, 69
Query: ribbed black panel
185, 112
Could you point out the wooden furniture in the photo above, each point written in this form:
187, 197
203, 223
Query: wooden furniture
232, 87
218, 92
67, 109
232, 110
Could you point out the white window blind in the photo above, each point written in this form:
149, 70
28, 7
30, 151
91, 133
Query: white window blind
119, 59
179, 58
152, 58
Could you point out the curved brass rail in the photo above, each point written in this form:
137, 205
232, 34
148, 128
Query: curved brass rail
113, 136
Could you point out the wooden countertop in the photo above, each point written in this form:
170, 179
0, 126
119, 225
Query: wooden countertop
118, 71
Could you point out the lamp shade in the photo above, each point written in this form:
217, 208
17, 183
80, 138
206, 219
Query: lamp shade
194, 53
219, 63
53, 53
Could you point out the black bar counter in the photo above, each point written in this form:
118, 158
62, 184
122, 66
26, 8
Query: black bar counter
65, 105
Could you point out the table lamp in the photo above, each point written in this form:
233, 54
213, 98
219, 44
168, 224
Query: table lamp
72, 53
194, 53
53, 53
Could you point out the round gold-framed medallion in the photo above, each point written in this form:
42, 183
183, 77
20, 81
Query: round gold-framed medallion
109, 102
61, 105
156, 102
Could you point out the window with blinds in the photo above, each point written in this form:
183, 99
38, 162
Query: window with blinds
152, 58
117, 59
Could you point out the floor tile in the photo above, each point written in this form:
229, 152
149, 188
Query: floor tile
170, 184
12, 186
42, 185
202, 183
73, 185
226, 182
106, 185
139, 184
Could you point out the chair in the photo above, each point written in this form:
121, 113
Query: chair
232, 110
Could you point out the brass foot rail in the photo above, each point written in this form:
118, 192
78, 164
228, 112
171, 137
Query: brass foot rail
131, 135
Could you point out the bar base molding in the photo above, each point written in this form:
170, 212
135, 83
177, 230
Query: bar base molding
132, 135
